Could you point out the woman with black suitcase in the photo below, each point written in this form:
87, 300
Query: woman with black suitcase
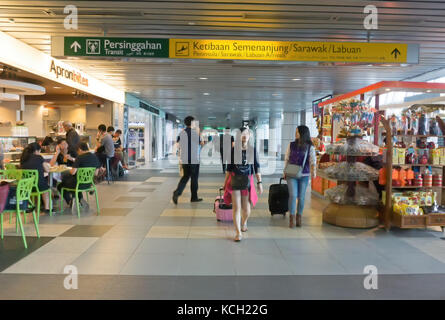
239, 183
300, 161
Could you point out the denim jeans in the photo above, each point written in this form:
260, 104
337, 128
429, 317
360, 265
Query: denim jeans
297, 189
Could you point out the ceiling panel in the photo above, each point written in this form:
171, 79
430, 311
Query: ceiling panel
235, 86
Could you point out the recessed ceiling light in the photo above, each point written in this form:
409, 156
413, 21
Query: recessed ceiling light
428, 91
296, 79
206, 93
203, 78
191, 23
388, 89
275, 94
57, 87
251, 79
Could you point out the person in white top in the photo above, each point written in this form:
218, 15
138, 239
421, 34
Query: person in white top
299, 152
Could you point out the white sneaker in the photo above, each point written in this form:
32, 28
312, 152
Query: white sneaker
74, 208
84, 204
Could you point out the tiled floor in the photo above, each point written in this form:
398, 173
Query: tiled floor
143, 246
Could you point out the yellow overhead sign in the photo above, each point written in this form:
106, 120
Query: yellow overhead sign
293, 51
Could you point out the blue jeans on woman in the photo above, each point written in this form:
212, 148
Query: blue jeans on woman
297, 189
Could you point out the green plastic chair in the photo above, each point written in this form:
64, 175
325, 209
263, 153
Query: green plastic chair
23, 193
15, 174
10, 166
11, 174
83, 176
28, 173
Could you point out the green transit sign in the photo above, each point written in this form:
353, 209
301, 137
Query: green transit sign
116, 47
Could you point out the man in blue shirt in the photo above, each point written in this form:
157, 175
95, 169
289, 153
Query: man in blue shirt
189, 144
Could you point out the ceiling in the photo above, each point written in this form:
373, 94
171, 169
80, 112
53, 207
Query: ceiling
243, 89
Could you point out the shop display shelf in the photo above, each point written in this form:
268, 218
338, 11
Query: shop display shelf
418, 136
435, 219
409, 221
418, 165
417, 187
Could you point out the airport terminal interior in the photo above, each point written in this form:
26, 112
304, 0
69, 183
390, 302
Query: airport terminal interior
363, 81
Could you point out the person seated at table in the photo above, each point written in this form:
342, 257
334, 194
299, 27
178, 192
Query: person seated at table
32, 160
85, 159
47, 144
62, 157
105, 144
118, 150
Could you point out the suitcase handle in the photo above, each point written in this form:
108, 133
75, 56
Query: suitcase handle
281, 179
220, 189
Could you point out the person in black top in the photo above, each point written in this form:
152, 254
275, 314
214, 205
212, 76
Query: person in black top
72, 138
85, 159
243, 165
117, 140
32, 160
189, 149
118, 149
62, 156
47, 143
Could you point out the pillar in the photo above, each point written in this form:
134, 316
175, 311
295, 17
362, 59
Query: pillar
274, 142
291, 120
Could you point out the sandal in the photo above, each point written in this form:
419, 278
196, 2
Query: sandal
244, 228
238, 238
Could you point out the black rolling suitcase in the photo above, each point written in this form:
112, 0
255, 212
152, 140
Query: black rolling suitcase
278, 198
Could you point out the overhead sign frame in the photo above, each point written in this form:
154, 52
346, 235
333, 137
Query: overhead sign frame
319, 51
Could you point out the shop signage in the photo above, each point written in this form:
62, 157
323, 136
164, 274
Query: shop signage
316, 110
294, 51
116, 47
148, 108
68, 74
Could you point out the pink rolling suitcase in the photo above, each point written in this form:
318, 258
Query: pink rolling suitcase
222, 210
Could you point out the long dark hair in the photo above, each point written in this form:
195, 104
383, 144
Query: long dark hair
28, 151
305, 136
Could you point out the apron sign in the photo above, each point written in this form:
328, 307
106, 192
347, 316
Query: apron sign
115, 47
291, 51
352, 52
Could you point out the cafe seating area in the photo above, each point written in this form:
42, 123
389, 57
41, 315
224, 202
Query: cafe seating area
20, 195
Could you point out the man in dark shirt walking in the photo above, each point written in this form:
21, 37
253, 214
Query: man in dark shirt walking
189, 144
72, 138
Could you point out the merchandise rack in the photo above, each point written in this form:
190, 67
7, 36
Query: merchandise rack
351, 215
408, 221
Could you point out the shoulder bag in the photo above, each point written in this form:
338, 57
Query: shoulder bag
241, 182
294, 170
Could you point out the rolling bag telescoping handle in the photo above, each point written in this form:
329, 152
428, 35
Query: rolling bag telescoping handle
220, 194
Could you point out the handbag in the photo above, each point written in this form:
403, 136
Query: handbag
240, 182
294, 170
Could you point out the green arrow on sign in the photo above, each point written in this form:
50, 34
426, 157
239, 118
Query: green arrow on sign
75, 46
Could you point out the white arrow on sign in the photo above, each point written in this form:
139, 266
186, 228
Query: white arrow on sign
75, 46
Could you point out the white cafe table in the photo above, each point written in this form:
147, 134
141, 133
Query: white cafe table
56, 169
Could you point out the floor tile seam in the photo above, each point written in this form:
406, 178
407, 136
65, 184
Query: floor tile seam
80, 253
128, 259
397, 263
